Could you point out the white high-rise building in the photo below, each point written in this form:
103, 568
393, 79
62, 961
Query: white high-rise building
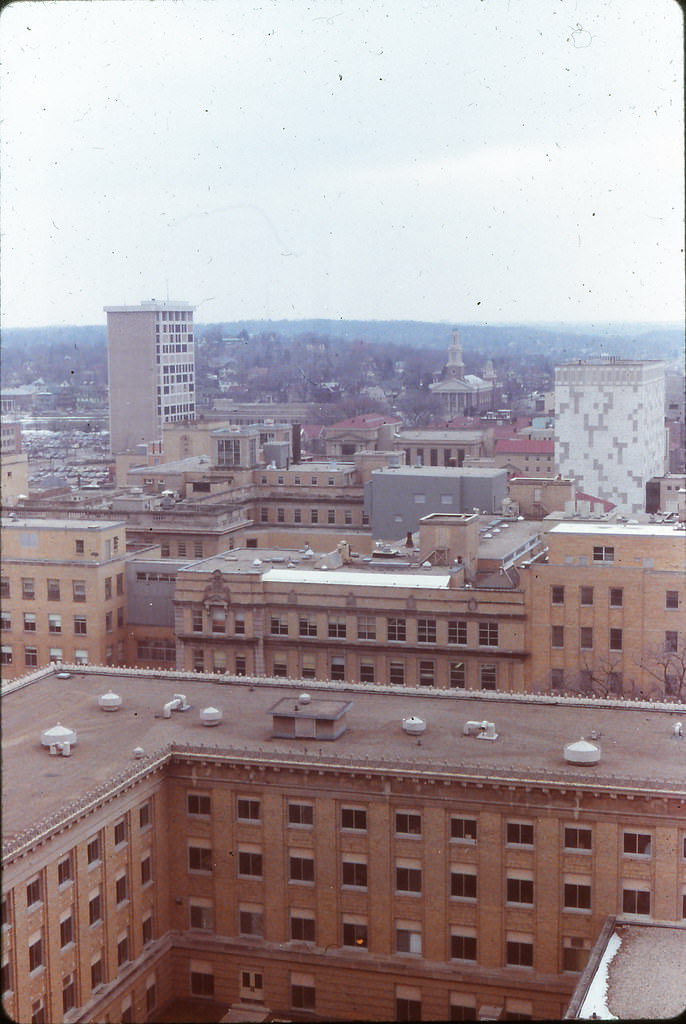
151, 366
610, 427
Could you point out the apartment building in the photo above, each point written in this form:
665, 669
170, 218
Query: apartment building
352, 853
607, 609
610, 427
63, 592
151, 370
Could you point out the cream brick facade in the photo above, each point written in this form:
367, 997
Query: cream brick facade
367, 878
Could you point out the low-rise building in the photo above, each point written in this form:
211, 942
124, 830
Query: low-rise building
63, 592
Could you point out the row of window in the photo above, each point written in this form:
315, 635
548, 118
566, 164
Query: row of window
314, 516
586, 638
54, 588
55, 654
37, 946
55, 622
409, 823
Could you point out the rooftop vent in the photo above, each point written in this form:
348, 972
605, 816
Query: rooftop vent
59, 739
210, 716
582, 752
482, 730
304, 698
177, 703
414, 725
138, 753
109, 701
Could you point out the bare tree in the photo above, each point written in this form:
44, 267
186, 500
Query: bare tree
666, 664
602, 677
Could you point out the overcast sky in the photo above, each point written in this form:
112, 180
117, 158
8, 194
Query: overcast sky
458, 160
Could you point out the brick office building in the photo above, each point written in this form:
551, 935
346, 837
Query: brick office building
370, 876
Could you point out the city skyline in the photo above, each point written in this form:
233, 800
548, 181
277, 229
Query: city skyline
419, 161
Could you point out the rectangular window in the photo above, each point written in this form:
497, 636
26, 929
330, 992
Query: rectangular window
354, 873
557, 636
519, 952
123, 949
577, 895
488, 676
97, 975
396, 629
314, 515
5, 619
603, 553
300, 867
408, 937
197, 549
616, 639
300, 814
198, 803
28, 588
463, 885
408, 823
367, 672
337, 667
147, 930
121, 888
95, 908
54, 623
78, 590
30, 622
250, 863
247, 810
93, 850
36, 952
297, 515
120, 832
355, 932
302, 991
201, 914
4, 586
31, 656
34, 892
251, 919
488, 634
108, 587
200, 858
6, 655
463, 829
278, 625
427, 673
144, 816
66, 930
366, 627
671, 640
53, 590
462, 945
281, 515
557, 595
637, 844
302, 926
408, 876
65, 870
396, 673
457, 632
80, 625
578, 838
635, 901
616, 597
347, 517
408, 1008
307, 625
520, 890
68, 993
586, 595
337, 626
331, 516
672, 599
354, 818
146, 869
457, 675
586, 638
239, 623
426, 631
264, 515
575, 953
520, 833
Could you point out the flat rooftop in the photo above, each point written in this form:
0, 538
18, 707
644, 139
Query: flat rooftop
16, 522
637, 529
442, 472
636, 740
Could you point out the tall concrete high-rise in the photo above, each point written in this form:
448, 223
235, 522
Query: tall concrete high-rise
151, 366
610, 427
